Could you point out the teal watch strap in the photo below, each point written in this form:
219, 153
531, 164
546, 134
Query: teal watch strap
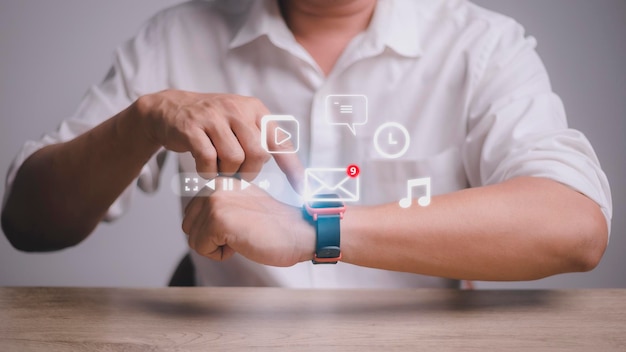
326, 212
328, 239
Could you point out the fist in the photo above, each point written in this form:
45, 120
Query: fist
220, 130
249, 222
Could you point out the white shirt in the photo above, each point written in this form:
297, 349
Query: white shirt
465, 83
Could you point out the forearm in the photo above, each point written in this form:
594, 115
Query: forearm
522, 229
62, 191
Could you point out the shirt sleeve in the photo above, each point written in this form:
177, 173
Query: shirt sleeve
135, 72
517, 125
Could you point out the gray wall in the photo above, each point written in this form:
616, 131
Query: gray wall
50, 52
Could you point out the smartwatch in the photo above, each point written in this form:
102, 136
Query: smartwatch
326, 212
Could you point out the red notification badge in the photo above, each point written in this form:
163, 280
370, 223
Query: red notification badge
353, 171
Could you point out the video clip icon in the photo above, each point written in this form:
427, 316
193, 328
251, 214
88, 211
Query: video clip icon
280, 134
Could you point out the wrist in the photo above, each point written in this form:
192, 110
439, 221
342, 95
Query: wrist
141, 117
133, 126
355, 229
306, 241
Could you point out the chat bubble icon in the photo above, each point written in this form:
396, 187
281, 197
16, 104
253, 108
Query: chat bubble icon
348, 110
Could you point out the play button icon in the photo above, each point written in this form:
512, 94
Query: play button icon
280, 134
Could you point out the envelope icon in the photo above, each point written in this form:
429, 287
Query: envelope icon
330, 180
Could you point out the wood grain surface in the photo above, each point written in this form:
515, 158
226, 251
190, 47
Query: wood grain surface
244, 319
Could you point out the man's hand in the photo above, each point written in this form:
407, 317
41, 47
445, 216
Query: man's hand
249, 222
222, 132
88, 173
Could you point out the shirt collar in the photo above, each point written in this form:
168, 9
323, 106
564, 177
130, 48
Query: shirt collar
263, 19
395, 25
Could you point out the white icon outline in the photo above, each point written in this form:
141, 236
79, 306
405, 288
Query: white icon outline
265, 120
341, 187
345, 109
285, 138
227, 184
424, 200
193, 180
407, 140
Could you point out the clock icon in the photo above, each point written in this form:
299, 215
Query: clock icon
391, 140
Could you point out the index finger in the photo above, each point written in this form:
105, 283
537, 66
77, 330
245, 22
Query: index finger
279, 142
291, 166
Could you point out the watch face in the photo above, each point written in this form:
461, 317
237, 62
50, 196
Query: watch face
319, 201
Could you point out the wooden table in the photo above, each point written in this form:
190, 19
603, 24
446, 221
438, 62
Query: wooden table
244, 319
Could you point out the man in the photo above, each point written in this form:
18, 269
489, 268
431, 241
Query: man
516, 195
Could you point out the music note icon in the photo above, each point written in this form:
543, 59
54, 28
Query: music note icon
423, 200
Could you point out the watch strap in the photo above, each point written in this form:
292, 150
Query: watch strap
327, 248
